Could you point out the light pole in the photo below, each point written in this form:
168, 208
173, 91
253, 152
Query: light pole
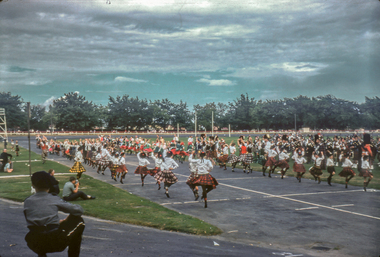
195, 124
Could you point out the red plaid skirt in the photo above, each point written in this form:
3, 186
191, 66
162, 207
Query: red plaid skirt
142, 170
223, 158
154, 171
270, 162
365, 173
347, 171
299, 168
203, 180
122, 168
283, 164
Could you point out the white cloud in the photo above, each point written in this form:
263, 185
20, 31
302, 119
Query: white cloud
126, 79
217, 82
49, 101
292, 69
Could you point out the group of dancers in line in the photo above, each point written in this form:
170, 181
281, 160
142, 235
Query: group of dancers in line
106, 152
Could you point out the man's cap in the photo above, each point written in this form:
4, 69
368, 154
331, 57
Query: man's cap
41, 179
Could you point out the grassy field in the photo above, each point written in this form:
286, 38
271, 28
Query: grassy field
111, 203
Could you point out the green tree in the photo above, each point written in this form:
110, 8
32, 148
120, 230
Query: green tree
14, 110
182, 116
39, 119
129, 113
371, 112
73, 112
240, 112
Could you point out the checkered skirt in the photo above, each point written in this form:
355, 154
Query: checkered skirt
347, 171
154, 171
77, 168
246, 158
223, 158
232, 158
283, 164
142, 170
203, 180
166, 176
270, 162
121, 168
365, 173
299, 168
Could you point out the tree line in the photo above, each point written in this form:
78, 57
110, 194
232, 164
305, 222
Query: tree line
73, 112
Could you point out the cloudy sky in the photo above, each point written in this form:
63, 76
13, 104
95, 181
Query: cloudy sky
198, 51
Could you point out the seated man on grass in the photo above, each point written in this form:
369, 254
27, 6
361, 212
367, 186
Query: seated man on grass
70, 191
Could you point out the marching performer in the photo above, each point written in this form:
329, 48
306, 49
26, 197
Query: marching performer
347, 171
78, 167
330, 168
158, 160
316, 170
298, 166
193, 172
142, 169
365, 172
166, 174
271, 161
122, 169
203, 177
283, 158
232, 158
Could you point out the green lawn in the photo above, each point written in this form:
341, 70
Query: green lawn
111, 203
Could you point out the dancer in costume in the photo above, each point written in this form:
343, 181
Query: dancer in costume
223, 159
114, 165
203, 177
365, 171
271, 161
122, 169
282, 162
232, 158
330, 168
347, 171
78, 167
193, 172
142, 169
166, 174
298, 166
248, 158
158, 160
316, 171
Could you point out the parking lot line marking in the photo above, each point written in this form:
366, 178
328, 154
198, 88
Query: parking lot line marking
342, 205
99, 238
317, 193
308, 208
300, 201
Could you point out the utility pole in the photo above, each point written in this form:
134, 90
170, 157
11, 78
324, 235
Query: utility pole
229, 130
212, 123
295, 123
30, 162
195, 124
